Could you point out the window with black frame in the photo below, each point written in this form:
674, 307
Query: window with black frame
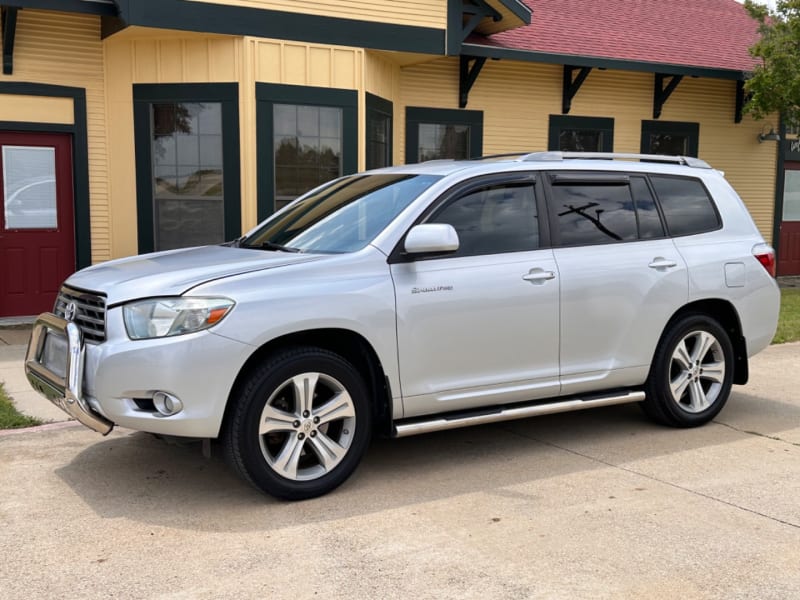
437, 133
581, 134
670, 137
379, 132
187, 164
307, 136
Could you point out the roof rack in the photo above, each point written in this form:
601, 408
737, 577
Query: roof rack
489, 157
688, 161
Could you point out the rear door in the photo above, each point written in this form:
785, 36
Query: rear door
37, 231
621, 277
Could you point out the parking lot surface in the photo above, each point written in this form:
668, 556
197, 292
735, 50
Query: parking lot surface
599, 504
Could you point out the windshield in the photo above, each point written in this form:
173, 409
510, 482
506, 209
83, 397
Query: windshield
343, 216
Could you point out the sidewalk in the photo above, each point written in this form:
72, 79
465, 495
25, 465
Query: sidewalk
13, 344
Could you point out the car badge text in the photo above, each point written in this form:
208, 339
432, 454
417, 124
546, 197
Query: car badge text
435, 288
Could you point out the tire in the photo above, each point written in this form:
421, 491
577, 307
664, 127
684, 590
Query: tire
300, 424
692, 373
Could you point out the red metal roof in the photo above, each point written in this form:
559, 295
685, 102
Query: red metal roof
699, 33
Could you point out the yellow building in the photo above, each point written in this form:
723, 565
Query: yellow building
129, 126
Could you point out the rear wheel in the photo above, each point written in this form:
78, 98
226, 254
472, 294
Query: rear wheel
692, 373
301, 424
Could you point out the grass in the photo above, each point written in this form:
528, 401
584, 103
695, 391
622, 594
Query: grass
10, 418
789, 322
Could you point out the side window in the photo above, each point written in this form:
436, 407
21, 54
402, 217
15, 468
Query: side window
593, 213
650, 225
686, 205
493, 220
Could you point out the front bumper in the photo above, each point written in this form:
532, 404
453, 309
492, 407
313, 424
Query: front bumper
65, 391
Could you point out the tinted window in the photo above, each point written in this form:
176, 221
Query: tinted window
594, 213
650, 225
686, 205
492, 220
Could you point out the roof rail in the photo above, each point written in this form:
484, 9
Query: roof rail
489, 157
689, 161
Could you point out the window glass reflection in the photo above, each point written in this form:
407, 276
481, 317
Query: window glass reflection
188, 175
29, 187
307, 148
437, 141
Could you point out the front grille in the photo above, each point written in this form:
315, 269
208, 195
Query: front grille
90, 312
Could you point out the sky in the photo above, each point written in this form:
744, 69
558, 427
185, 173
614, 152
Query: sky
770, 3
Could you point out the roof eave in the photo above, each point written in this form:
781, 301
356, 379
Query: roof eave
92, 7
469, 49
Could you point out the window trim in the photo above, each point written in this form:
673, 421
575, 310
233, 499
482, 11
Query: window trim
376, 104
145, 94
558, 123
269, 94
691, 130
417, 115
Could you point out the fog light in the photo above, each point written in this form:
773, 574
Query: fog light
167, 404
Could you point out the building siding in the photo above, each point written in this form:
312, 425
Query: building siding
138, 57
518, 98
65, 49
421, 13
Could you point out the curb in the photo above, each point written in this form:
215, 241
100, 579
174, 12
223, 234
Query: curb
39, 428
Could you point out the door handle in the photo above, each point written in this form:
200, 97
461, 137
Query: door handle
659, 262
538, 275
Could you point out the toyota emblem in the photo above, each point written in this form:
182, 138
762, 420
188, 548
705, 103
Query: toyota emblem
70, 311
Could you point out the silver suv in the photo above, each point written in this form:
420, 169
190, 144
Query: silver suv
420, 298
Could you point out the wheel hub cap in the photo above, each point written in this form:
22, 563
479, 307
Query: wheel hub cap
697, 371
306, 426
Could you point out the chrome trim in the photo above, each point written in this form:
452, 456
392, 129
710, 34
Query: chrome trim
509, 414
554, 155
65, 392
88, 312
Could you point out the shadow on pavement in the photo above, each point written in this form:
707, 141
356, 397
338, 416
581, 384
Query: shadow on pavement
139, 477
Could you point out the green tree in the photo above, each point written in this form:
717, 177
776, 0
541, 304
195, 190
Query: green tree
775, 84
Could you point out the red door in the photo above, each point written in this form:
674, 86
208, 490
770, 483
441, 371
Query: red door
37, 224
789, 238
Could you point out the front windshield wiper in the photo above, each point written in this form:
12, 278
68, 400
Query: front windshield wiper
273, 246
233, 243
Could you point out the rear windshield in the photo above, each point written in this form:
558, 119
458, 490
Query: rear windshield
343, 216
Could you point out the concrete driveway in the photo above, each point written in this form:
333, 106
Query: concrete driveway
600, 504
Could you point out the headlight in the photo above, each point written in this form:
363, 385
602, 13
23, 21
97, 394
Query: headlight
162, 317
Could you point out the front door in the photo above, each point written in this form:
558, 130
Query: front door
480, 326
37, 230
789, 239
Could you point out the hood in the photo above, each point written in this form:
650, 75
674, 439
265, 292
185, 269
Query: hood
174, 272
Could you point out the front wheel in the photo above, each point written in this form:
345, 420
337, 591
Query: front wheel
300, 425
692, 373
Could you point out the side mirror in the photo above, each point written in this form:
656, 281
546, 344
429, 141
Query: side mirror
431, 238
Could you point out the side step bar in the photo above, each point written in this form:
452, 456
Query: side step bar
481, 417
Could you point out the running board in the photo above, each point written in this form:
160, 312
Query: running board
481, 417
